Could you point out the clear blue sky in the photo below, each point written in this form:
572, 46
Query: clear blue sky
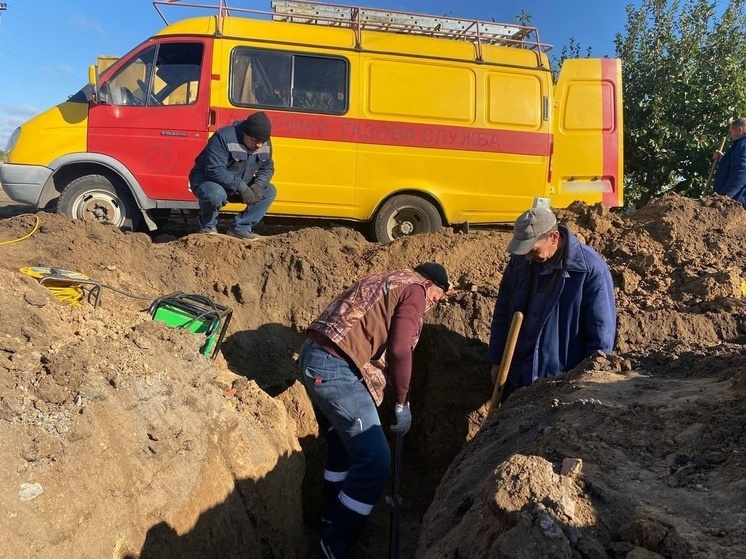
46, 46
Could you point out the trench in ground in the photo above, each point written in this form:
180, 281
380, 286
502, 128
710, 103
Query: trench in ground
450, 388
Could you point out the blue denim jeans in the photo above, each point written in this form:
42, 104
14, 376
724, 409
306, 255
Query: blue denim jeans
212, 197
356, 444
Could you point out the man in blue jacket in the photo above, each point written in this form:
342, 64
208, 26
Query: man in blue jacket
565, 292
730, 179
236, 163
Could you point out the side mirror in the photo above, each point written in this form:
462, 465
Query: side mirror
93, 84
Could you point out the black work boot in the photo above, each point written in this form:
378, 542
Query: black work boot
342, 533
330, 497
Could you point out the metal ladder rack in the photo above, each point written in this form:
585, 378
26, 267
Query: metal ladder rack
358, 18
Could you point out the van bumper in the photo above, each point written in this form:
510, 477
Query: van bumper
23, 183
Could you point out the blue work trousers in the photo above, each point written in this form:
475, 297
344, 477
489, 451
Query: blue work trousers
212, 197
358, 455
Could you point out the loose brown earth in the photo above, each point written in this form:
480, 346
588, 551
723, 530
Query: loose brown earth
120, 440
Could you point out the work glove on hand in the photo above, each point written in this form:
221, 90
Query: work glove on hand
257, 190
403, 419
248, 196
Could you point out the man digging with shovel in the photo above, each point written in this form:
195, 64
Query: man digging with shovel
366, 336
566, 294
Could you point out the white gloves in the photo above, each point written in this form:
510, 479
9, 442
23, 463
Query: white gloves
403, 419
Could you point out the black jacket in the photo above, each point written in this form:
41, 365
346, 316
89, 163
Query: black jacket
226, 160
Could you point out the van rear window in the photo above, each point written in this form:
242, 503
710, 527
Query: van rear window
274, 79
583, 110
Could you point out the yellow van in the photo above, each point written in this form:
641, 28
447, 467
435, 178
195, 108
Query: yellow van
405, 121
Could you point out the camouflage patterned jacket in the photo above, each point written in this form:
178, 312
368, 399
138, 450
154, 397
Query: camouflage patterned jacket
358, 322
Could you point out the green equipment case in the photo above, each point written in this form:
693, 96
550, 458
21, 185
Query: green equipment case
196, 313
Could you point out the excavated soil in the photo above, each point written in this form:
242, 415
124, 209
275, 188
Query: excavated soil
121, 440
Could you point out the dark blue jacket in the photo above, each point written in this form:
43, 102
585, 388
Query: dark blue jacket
579, 317
226, 160
730, 179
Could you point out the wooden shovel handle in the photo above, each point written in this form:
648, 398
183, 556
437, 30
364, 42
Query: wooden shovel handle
502, 374
712, 167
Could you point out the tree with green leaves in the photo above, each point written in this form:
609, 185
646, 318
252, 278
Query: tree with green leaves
524, 18
682, 68
573, 49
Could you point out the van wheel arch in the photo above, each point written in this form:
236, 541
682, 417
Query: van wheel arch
405, 214
102, 197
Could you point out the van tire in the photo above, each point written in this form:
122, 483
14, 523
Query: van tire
405, 215
98, 198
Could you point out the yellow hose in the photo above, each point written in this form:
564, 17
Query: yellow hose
36, 226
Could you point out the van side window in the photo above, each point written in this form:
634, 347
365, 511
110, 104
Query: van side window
165, 74
261, 78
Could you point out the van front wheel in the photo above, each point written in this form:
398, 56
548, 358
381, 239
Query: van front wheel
96, 198
405, 215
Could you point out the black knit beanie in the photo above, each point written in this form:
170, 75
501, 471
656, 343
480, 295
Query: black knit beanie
257, 126
435, 273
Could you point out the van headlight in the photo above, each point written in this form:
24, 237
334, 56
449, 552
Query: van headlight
13, 140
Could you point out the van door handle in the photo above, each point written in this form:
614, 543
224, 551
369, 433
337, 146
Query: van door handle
211, 117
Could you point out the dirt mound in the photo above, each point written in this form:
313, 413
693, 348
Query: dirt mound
116, 438
679, 266
658, 427
654, 446
123, 441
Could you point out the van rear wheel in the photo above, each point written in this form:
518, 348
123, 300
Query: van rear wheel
405, 215
97, 198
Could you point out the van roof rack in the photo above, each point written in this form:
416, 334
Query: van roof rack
359, 19
491, 33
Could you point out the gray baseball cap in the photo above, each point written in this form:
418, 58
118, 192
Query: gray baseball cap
529, 226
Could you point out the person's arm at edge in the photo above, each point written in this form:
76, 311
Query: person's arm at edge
404, 327
598, 309
736, 173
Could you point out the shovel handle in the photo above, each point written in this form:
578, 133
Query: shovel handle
502, 374
714, 164
396, 498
